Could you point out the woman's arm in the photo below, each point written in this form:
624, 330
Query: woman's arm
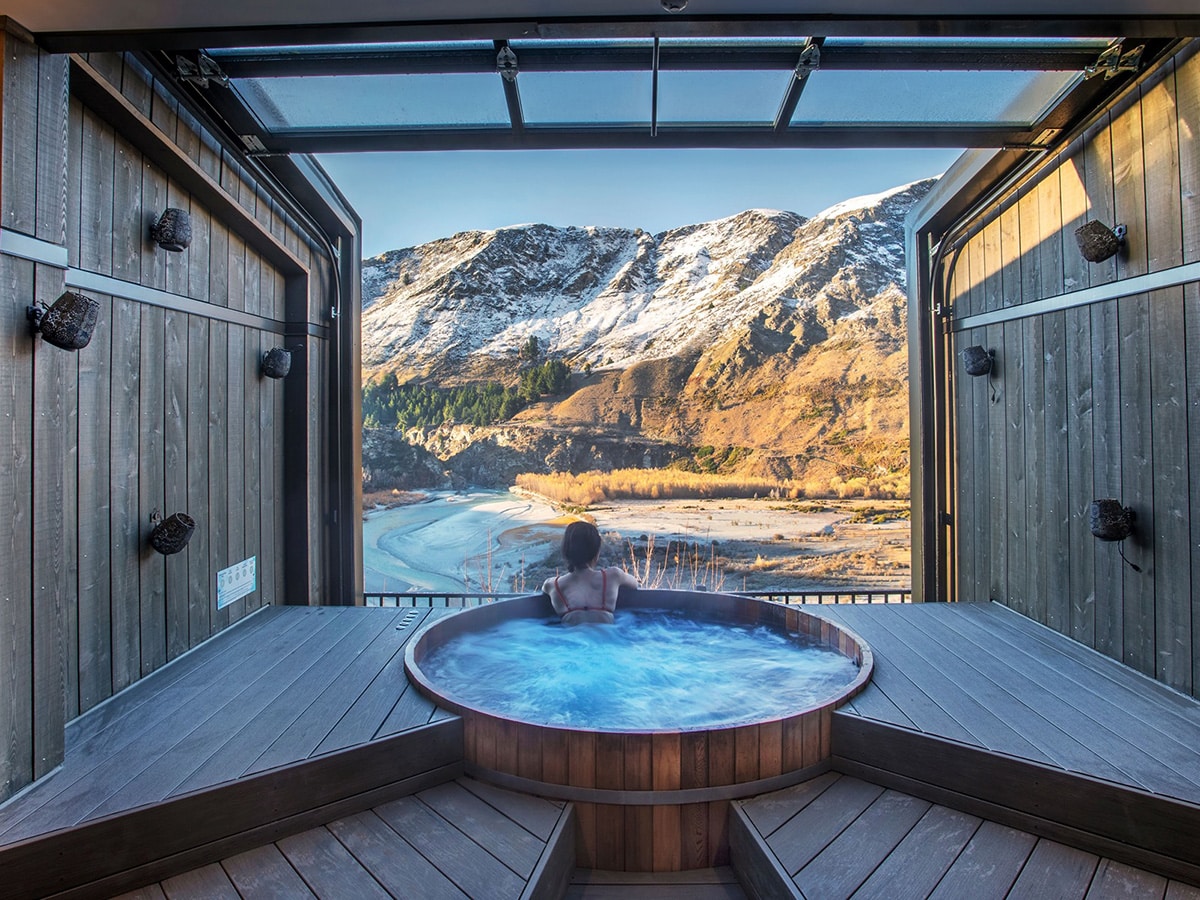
555, 599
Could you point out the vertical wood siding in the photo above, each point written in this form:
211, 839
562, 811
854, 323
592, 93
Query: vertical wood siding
1093, 401
165, 410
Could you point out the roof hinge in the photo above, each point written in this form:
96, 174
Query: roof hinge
253, 144
200, 71
506, 63
810, 60
1113, 62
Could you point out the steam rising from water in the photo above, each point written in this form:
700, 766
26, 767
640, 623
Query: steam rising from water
652, 670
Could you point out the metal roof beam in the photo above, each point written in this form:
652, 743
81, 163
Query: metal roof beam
599, 27
343, 140
261, 64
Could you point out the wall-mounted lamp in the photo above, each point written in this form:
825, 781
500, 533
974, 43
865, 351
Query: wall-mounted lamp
1097, 242
277, 362
979, 361
68, 323
173, 230
170, 535
1110, 521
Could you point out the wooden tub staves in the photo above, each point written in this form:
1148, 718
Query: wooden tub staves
648, 800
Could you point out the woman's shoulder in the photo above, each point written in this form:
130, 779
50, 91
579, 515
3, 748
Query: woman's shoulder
621, 576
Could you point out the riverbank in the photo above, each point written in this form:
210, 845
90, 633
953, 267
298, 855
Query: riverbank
503, 541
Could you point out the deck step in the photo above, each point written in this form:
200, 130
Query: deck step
98, 858
837, 836
1150, 831
460, 838
696, 884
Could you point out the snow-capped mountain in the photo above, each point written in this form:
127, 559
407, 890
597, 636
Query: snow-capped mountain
613, 297
780, 337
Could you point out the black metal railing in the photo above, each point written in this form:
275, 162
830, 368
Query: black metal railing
455, 601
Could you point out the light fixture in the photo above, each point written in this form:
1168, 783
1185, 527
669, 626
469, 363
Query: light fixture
979, 361
1097, 242
173, 230
277, 362
170, 535
1111, 522
68, 323
674, 6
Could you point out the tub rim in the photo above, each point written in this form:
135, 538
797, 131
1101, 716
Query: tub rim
537, 606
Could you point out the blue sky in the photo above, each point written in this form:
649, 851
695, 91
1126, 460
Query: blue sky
409, 198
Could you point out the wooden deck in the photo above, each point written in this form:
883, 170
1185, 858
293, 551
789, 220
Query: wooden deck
253, 748
837, 837
984, 709
455, 841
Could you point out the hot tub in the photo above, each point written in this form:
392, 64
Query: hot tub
648, 798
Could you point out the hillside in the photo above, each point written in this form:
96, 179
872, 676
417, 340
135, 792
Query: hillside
764, 343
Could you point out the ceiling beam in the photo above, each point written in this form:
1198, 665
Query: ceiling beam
363, 61
344, 140
599, 27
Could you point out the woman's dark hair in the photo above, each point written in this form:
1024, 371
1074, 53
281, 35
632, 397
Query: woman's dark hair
580, 544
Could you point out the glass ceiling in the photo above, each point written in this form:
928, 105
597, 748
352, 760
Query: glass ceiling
670, 92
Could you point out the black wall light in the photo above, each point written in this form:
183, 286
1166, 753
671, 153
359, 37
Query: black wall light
277, 362
170, 535
979, 361
69, 323
1110, 521
173, 230
1097, 242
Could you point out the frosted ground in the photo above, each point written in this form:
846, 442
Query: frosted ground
499, 541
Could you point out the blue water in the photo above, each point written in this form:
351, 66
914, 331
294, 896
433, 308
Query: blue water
652, 670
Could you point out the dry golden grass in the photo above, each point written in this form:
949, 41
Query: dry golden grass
589, 488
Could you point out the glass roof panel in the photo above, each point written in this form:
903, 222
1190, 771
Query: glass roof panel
720, 97
585, 98
933, 98
366, 101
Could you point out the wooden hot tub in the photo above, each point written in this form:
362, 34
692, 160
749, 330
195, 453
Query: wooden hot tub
648, 800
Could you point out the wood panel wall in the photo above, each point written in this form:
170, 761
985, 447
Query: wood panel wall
1090, 401
165, 410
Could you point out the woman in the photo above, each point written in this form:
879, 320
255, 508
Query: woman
585, 593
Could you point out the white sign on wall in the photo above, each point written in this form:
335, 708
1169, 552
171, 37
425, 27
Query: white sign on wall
237, 581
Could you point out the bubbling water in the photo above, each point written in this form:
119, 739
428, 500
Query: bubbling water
653, 670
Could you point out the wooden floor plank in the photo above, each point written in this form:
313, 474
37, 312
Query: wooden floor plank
914, 686
106, 764
535, 814
371, 708
877, 705
151, 892
998, 719
239, 751
988, 865
656, 892
476, 872
1044, 718
1056, 872
1113, 673
485, 825
1117, 881
391, 860
843, 866
808, 832
177, 755
196, 663
205, 883
411, 710
920, 861
314, 724
1164, 748
1177, 890
769, 811
328, 868
265, 874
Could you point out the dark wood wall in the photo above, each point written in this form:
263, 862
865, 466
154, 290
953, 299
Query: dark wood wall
165, 409
1094, 397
